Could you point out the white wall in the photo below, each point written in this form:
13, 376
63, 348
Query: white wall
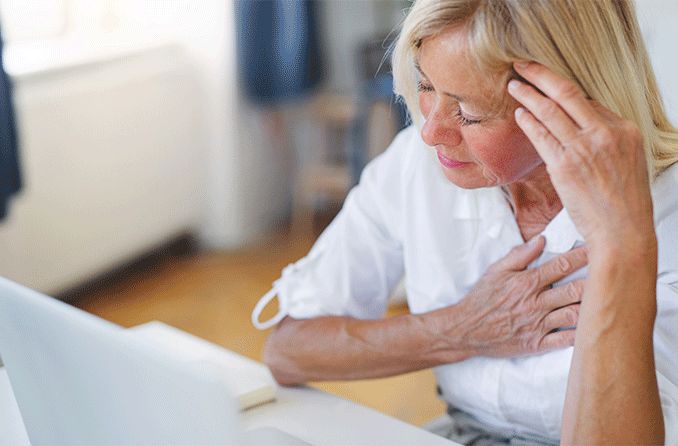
658, 19
345, 24
206, 29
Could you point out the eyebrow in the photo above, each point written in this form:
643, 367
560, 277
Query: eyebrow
452, 95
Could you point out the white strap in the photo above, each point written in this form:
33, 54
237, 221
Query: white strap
259, 307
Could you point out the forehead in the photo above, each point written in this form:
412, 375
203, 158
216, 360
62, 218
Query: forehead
444, 60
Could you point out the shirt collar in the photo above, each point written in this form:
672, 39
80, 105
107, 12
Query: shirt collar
490, 206
561, 234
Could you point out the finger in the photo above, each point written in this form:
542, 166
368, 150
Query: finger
565, 92
548, 147
562, 318
545, 110
562, 266
557, 340
558, 297
522, 255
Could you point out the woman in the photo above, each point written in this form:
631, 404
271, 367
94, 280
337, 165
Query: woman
581, 127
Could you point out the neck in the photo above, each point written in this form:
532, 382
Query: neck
534, 199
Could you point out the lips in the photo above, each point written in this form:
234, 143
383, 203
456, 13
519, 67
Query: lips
450, 163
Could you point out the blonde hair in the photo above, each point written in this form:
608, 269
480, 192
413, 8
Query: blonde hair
595, 43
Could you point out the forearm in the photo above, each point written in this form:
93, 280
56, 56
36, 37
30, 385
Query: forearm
612, 395
344, 348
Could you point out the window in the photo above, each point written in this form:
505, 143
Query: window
35, 20
24, 20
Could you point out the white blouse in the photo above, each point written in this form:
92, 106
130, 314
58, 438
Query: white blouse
405, 217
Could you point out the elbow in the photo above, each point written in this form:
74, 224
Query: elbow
284, 378
279, 368
284, 369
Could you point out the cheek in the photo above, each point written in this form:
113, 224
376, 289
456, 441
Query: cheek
507, 155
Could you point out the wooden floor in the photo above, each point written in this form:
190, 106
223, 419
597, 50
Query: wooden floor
212, 294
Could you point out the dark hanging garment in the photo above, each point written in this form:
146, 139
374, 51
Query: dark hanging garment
278, 49
10, 179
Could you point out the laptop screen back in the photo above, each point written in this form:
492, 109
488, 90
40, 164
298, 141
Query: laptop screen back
81, 380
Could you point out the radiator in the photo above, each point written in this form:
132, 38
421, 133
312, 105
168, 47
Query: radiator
113, 160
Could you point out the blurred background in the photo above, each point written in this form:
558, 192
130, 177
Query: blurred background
165, 159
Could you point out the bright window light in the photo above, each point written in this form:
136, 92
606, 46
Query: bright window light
24, 20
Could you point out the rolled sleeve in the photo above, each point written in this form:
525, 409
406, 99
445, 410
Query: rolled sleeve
350, 271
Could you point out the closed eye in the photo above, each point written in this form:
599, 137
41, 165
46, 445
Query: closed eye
422, 87
463, 120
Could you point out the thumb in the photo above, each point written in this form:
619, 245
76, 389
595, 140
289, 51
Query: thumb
522, 255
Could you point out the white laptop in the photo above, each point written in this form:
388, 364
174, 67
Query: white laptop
79, 379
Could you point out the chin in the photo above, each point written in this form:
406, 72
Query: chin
469, 179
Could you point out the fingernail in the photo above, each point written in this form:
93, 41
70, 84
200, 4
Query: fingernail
513, 85
533, 241
519, 112
521, 65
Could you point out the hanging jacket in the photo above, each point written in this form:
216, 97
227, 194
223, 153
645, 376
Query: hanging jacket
278, 49
10, 178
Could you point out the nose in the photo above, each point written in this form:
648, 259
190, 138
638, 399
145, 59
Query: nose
441, 128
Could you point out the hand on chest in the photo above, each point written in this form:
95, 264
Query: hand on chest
444, 262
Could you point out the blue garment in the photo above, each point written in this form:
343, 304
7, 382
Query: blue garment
278, 50
10, 178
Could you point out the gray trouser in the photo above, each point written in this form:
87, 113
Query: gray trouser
463, 428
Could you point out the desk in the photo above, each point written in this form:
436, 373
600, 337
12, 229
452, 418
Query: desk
309, 414
323, 419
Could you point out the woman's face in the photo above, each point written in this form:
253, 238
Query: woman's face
476, 148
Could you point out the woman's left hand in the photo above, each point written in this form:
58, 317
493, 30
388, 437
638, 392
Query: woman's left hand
596, 163
594, 157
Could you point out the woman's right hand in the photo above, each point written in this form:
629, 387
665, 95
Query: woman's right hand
513, 311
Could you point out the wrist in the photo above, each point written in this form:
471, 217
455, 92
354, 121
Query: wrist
444, 334
622, 285
631, 250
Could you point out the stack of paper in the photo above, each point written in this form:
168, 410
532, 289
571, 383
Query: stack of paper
250, 381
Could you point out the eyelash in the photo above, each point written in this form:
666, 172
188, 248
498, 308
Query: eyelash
464, 121
422, 87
